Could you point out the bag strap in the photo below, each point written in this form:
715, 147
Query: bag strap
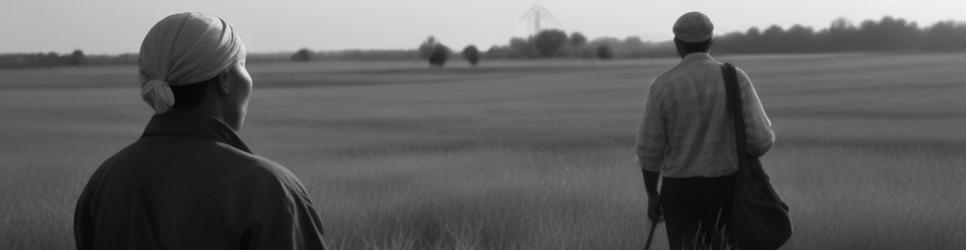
734, 105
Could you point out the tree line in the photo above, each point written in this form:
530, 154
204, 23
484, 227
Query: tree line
53, 59
885, 35
557, 44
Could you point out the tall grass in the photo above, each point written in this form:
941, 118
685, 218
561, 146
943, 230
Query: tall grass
522, 156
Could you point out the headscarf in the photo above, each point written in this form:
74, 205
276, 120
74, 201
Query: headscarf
183, 49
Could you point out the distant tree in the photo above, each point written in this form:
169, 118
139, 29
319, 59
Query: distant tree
841, 36
750, 41
633, 41
302, 55
798, 38
549, 42
753, 32
497, 51
945, 36
577, 40
77, 58
522, 48
772, 39
427, 47
604, 52
471, 54
52, 59
898, 34
438, 56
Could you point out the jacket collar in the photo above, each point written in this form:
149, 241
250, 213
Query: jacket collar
193, 123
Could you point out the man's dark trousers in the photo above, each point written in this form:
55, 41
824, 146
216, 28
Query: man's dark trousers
696, 210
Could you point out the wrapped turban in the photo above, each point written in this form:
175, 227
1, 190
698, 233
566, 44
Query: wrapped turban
183, 49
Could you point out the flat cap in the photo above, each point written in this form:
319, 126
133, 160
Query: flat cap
693, 27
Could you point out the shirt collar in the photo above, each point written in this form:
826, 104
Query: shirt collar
193, 123
696, 56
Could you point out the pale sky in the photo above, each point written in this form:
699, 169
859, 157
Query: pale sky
118, 26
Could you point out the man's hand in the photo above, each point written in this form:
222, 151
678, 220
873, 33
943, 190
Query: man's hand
654, 211
653, 197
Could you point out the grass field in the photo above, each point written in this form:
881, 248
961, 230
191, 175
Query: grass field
870, 154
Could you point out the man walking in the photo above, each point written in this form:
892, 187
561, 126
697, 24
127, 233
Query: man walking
687, 138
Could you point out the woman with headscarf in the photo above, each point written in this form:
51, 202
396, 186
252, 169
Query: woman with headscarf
189, 182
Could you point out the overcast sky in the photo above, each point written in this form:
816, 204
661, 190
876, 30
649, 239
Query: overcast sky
117, 26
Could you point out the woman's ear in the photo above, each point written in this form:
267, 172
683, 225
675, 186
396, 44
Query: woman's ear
224, 83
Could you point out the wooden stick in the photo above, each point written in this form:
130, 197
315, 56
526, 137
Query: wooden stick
650, 236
